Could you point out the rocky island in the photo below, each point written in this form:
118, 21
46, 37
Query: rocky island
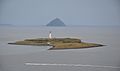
57, 43
56, 23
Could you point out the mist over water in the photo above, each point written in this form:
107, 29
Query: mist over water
15, 57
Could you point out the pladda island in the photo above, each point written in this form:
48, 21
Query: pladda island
57, 43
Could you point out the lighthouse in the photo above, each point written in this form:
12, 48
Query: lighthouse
50, 35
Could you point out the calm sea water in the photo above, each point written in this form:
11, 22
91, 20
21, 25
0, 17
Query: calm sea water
38, 58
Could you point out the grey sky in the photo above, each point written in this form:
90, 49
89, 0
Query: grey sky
71, 12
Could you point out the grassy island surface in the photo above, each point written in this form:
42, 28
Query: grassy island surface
57, 43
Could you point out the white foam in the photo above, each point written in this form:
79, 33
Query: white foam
74, 65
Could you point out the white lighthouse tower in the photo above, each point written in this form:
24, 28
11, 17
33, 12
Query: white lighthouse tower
50, 35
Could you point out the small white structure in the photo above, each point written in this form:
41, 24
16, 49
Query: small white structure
50, 35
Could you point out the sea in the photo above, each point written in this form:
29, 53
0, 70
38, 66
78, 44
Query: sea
39, 58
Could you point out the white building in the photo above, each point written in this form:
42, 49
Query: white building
50, 35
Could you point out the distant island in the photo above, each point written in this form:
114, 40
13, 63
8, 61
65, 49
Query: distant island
5, 25
57, 43
56, 22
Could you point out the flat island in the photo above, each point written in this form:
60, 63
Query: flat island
57, 43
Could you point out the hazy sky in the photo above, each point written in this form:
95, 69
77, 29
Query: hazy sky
71, 12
